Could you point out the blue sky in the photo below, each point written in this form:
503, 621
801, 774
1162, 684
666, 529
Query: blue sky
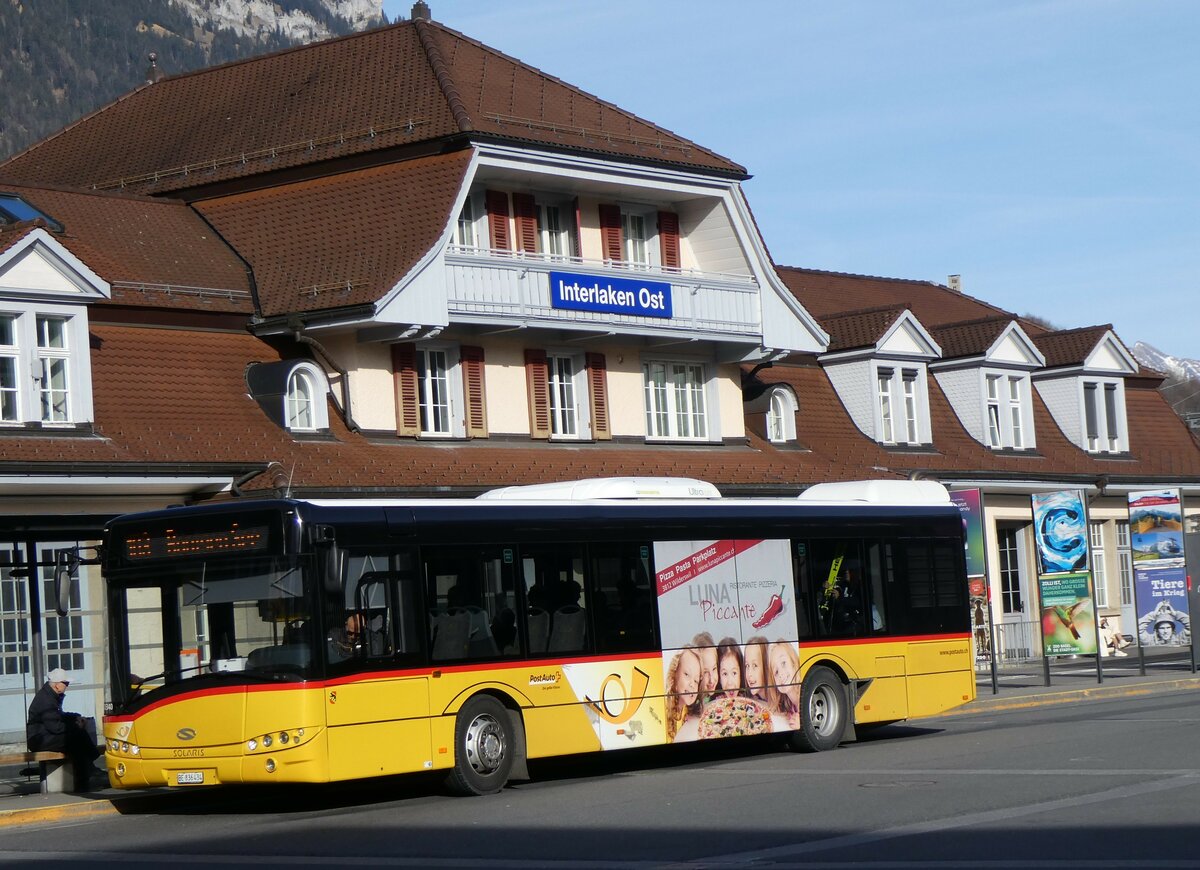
1046, 150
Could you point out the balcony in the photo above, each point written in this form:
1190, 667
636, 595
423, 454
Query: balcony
497, 286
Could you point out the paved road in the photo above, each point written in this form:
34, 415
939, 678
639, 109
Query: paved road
1097, 783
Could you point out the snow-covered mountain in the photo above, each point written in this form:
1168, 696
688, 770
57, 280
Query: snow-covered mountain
1153, 358
297, 20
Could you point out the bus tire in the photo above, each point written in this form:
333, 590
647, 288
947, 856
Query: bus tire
483, 747
822, 712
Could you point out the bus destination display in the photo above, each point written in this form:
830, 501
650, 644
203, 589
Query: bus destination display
168, 543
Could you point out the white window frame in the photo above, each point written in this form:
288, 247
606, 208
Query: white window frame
1108, 411
570, 408
901, 403
53, 360
649, 218
468, 221
563, 238
664, 411
10, 360
782, 408
31, 360
1125, 563
318, 386
1099, 568
454, 427
1007, 410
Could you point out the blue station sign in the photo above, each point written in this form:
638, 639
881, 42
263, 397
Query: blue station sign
610, 294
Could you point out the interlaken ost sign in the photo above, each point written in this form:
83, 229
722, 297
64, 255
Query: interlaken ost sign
609, 294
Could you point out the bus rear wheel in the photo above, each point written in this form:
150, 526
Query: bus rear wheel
483, 747
822, 712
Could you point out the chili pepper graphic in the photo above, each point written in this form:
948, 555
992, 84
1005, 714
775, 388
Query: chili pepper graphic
774, 608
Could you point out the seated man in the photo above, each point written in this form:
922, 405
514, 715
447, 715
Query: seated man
346, 642
49, 729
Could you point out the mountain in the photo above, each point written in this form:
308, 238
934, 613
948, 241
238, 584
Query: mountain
61, 59
1181, 389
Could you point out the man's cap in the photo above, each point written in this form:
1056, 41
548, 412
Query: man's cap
1169, 622
58, 675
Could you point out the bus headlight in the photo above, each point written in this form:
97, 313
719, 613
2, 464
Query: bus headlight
283, 737
124, 747
270, 765
134, 749
252, 744
120, 768
114, 745
267, 741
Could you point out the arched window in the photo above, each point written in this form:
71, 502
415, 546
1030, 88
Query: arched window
781, 416
304, 403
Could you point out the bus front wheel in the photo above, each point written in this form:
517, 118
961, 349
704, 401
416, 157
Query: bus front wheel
483, 747
822, 712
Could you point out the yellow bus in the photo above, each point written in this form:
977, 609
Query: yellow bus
316, 641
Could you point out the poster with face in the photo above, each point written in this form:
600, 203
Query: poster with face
730, 651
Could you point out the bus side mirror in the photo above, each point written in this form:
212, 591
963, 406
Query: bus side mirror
329, 557
66, 562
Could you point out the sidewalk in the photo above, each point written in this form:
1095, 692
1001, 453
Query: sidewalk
1021, 687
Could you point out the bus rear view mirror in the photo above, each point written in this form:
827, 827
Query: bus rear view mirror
329, 557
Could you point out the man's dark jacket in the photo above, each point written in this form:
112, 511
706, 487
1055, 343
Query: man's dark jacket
46, 728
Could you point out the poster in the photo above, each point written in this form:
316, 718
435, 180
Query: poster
970, 506
1060, 528
1068, 615
978, 602
1156, 527
1162, 606
730, 652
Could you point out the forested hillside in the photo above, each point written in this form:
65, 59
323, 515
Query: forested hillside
61, 59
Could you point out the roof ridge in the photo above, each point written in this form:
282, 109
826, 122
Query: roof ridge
12, 184
876, 309
578, 90
1057, 332
441, 71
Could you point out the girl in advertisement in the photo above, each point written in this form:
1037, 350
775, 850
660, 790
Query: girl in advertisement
729, 670
785, 665
706, 647
683, 690
754, 672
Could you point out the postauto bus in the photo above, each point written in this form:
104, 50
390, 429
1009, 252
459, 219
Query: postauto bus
315, 641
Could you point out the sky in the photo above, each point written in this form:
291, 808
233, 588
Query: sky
1048, 151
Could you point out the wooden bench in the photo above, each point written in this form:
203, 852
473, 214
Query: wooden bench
55, 771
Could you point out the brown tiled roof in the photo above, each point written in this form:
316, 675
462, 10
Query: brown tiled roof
1069, 347
155, 252
341, 239
416, 81
971, 337
825, 293
862, 328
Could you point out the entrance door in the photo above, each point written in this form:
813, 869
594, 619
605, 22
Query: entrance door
1017, 638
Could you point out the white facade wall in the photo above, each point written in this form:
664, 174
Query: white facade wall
855, 387
1062, 399
962, 390
708, 231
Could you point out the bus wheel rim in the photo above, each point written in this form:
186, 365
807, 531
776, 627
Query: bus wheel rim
485, 744
822, 710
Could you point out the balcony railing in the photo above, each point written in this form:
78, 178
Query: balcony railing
498, 285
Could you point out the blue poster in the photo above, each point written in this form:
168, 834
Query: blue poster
1162, 606
610, 294
1060, 527
1156, 525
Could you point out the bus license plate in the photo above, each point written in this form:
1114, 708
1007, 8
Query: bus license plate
192, 777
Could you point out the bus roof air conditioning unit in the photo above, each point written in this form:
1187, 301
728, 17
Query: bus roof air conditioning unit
623, 488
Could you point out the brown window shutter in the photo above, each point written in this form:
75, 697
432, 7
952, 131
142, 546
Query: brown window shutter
408, 400
610, 232
473, 390
668, 238
537, 381
597, 378
496, 202
525, 212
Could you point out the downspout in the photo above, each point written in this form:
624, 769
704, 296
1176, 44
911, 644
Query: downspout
298, 335
238, 482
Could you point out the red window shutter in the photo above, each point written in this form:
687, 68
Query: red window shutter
525, 212
474, 392
496, 202
668, 238
408, 399
537, 382
610, 232
597, 378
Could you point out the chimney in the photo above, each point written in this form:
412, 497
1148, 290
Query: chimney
954, 282
420, 11
153, 74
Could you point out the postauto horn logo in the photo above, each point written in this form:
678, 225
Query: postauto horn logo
185, 733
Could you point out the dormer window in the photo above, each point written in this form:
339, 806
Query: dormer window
43, 344
1007, 410
1104, 416
304, 402
781, 416
899, 394
14, 209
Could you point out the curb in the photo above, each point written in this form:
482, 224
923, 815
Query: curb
1069, 696
57, 813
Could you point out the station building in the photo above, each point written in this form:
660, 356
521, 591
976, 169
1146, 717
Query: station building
403, 263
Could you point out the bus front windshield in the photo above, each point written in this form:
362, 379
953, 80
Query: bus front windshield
207, 620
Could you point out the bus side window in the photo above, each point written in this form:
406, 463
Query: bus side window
877, 569
805, 600
556, 614
469, 596
622, 600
